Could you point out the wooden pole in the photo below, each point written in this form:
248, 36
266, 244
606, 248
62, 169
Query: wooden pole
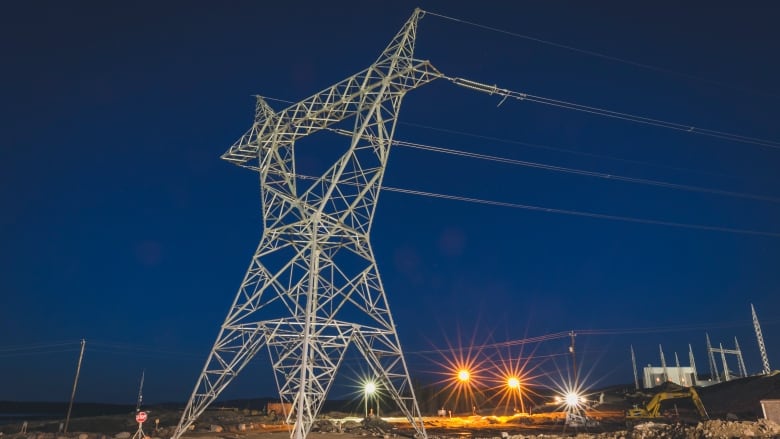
573, 359
75, 383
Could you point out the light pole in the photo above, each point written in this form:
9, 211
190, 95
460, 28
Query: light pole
369, 390
464, 383
514, 384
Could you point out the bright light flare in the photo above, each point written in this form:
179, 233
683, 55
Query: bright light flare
461, 370
572, 399
513, 378
369, 388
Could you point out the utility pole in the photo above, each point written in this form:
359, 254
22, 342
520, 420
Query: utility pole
573, 357
75, 383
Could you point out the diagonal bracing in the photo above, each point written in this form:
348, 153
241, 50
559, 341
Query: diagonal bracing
313, 287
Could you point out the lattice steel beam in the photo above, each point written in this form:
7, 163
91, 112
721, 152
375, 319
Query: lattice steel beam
766, 370
313, 287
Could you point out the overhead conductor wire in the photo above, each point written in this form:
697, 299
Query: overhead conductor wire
506, 93
554, 210
604, 56
574, 171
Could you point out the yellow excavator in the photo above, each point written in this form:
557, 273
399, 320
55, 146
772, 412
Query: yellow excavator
652, 411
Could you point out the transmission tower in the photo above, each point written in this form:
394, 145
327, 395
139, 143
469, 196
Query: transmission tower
726, 372
663, 363
692, 361
679, 373
713, 365
757, 327
313, 287
740, 360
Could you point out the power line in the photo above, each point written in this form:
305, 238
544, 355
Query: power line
530, 340
539, 146
33, 353
606, 57
506, 93
613, 177
560, 211
575, 171
585, 214
521, 96
43, 347
565, 334
128, 349
284, 101
559, 149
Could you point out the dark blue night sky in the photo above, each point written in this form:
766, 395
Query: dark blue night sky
121, 225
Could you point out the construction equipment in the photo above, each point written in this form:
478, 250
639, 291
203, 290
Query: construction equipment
652, 410
579, 420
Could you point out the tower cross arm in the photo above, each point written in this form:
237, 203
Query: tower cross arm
332, 105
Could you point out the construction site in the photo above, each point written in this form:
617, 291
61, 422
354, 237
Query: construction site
312, 303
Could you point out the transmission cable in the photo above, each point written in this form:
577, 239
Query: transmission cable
43, 347
584, 214
575, 171
586, 173
605, 56
567, 334
521, 96
529, 340
506, 93
553, 209
536, 145
562, 150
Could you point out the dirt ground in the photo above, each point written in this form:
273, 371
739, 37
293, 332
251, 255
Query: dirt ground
235, 425
734, 409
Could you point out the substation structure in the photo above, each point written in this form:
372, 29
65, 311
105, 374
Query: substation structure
688, 375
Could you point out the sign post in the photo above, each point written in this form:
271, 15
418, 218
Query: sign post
140, 418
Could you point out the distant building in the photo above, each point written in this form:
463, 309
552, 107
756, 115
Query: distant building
655, 376
771, 408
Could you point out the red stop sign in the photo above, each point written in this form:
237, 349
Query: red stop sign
140, 417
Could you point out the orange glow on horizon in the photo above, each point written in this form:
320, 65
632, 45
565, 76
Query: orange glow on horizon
462, 369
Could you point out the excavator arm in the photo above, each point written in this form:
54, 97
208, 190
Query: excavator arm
699, 405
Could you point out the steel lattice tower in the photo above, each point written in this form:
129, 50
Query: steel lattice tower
692, 362
663, 363
313, 288
761, 347
713, 365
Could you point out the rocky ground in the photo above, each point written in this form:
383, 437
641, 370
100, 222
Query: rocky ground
734, 408
239, 425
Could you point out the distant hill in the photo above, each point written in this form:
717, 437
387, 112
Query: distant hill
58, 410
61, 408
741, 396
